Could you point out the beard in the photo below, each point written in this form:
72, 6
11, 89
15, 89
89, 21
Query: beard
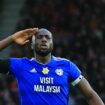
42, 53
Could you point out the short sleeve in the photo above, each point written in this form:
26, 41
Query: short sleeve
15, 66
75, 74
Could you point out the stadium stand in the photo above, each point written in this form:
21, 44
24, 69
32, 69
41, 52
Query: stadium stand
78, 27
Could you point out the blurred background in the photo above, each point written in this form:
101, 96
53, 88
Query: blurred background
78, 27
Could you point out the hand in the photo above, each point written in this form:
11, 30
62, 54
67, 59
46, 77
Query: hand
22, 37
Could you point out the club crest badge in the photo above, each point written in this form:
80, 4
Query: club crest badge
59, 72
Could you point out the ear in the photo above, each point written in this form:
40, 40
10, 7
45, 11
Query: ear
32, 46
33, 42
33, 39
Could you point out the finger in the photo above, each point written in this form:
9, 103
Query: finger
26, 36
31, 30
25, 42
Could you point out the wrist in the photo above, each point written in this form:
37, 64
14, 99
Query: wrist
12, 37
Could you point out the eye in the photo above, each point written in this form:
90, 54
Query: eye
47, 37
39, 36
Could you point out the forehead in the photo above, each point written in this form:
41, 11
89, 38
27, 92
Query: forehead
43, 32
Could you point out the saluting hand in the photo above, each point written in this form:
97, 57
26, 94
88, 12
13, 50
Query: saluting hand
22, 37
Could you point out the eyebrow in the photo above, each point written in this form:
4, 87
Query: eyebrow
43, 35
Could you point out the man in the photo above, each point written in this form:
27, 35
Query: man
44, 79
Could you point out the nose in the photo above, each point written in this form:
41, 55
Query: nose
44, 39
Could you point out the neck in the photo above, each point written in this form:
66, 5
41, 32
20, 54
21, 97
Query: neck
43, 59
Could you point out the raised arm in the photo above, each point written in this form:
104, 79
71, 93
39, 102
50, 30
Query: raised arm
20, 37
90, 95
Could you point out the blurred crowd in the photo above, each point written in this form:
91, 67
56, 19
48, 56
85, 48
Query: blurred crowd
78, 27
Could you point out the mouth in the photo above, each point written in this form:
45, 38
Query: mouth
43, 46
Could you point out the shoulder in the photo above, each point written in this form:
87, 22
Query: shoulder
65, 62
17, 60
60, 60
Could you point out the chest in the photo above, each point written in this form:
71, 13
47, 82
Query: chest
45, 75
